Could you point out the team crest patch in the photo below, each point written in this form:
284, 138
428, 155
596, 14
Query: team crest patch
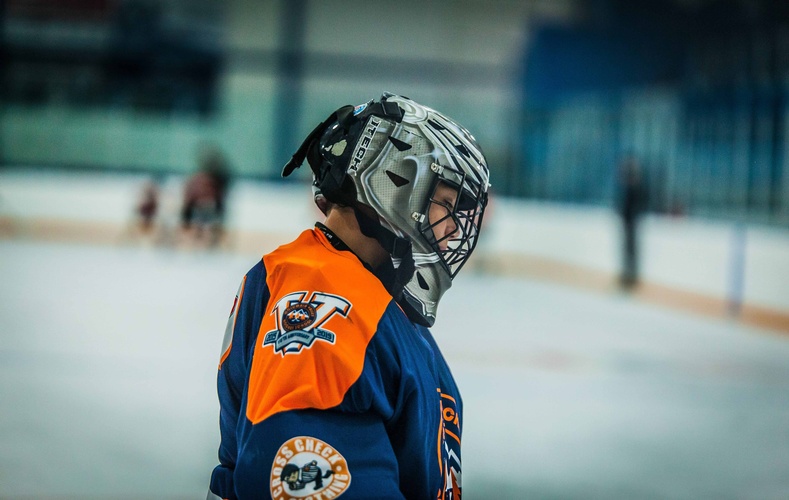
299, 320
306, 467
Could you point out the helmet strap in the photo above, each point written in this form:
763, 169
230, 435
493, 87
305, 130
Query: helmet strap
393, 278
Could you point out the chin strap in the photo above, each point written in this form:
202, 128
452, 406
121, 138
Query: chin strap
393, 278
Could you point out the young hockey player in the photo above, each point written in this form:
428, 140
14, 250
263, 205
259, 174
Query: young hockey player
330, 382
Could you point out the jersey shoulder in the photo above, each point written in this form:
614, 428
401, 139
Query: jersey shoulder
324, 310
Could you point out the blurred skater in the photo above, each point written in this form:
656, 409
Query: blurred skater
142, 226
631, 204
148, 207
203, 209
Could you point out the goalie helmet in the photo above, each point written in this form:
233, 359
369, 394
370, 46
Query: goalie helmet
407, 170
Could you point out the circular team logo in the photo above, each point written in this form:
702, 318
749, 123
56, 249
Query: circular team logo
298, 316
306, 467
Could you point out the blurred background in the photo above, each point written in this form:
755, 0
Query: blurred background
638, 230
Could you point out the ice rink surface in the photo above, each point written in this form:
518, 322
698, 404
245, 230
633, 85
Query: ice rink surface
108, 362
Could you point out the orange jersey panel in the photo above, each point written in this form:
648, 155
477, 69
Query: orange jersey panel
324, 310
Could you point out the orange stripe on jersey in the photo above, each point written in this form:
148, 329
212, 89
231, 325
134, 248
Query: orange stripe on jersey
452, 434
455, 486
447, 396
440, 435
227, 343
324, 310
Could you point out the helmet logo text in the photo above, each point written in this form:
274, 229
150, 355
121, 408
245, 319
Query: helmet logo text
364, 144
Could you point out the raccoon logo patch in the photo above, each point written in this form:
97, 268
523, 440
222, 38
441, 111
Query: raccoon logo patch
299, 320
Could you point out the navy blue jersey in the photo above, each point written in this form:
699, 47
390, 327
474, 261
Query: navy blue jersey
327, 389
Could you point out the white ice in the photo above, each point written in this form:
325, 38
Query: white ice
108, 362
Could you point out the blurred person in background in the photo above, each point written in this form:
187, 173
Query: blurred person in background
143, 225
330, 382
148, 206
205, 193
631, 203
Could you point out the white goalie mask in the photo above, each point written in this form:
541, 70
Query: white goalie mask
422, 174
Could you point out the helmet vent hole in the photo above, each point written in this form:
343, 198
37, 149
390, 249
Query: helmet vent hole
396, 179
436, 125
400, 145
462, 150
422, 282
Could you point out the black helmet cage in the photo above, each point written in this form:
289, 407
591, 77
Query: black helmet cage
466, 217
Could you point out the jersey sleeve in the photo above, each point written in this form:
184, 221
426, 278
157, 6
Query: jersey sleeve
328, 452
240, 335
343, 450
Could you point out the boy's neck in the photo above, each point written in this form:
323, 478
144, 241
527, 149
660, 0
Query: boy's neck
342, 222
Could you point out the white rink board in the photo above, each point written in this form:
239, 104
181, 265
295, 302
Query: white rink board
686, 254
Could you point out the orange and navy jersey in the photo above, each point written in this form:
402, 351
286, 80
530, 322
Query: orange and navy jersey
327, 389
